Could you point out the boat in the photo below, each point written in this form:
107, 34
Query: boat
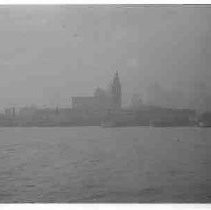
204, 124
108, 124
162, 123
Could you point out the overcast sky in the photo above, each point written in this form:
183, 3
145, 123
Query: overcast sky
50, 53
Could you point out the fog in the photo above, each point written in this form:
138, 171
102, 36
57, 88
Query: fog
50, 53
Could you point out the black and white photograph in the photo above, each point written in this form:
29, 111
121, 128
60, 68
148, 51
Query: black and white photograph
105, 104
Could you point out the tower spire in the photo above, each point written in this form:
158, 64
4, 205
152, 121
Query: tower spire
116, 92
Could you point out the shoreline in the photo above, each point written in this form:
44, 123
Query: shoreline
66, 126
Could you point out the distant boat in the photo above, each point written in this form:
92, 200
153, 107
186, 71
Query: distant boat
108, 124
161, 123
204, 124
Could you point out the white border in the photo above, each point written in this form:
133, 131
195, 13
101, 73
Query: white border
9, 2
105, 206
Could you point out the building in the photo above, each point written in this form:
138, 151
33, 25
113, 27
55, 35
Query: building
102, 100
10, 112
116, 93
83, 102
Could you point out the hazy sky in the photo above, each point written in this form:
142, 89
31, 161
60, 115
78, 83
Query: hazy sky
50, 53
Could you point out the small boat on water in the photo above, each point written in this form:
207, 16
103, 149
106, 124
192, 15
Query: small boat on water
118, 118
162, 123
158, 123
204, 124
108, 124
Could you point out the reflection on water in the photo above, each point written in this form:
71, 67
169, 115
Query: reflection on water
92, 164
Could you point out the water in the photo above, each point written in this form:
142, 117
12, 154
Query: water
94, 164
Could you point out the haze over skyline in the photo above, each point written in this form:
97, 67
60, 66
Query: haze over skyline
50, 53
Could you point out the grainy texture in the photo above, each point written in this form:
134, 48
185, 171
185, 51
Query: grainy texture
92, 164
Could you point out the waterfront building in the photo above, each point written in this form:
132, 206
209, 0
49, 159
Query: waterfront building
116, 93
102, 100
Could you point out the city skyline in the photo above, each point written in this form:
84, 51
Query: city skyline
50, 51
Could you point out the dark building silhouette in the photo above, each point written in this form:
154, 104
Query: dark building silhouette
116, 92
102, 100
